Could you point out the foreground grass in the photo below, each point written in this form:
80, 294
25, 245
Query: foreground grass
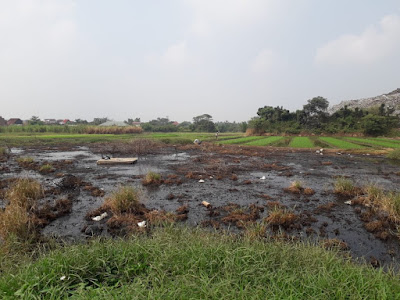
176, 263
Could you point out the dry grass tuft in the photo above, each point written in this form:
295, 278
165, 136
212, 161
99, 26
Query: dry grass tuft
160, 218
46, 168
25, 193
335, 244
126, 199
17, 220
395, 154
152, 178
296, 187
124, 224
308, 191
254, 230
281, 218
345, 187
112, 130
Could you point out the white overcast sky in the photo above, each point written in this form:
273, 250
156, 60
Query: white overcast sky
182, 58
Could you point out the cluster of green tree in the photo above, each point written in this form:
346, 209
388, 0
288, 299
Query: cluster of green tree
315, 118
160, 125
202, 123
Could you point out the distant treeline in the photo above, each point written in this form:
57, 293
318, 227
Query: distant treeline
313, 118
79, 129
202, 123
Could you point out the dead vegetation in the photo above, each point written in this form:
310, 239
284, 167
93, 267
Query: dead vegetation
27, 162
296, 187
17, 219
335, 244
46, 169
152, 178
281, 218
345, 187
113, 130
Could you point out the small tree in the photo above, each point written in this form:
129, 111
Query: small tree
203, 123
315, 112
35, 120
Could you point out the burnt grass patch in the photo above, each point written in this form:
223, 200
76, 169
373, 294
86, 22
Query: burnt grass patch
77, 191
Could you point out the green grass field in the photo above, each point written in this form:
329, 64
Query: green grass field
179, 263
24, 139
376, 142
301, 142
265, 141
339, 143
243, 140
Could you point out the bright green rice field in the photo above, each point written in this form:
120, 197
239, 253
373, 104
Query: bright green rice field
346, 143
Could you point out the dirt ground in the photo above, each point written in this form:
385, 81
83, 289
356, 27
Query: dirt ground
242, 184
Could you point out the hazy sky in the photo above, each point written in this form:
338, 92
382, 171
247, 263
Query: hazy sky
182, 58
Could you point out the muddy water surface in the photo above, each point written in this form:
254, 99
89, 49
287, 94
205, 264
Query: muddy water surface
331, 217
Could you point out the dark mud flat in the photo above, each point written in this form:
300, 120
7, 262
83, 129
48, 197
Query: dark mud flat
232, 185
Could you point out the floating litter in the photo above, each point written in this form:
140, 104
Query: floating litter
201, 180
101, 217
142, 224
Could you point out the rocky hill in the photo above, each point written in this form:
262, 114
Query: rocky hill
391, 99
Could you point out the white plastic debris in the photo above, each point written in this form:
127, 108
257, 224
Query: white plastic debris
317, 151
321, 153
263, 178
63, 277
201, 180
142, 224
101, 217
348, 202
321, 150
211, 177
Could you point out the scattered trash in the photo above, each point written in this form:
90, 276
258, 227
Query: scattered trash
321, 150
201, 180
206, 204
263, 178
63, 277
348, 202
211, 177
197, 142
101, 217
338, 153
142, 224
87, 167
321, 153
317, 151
